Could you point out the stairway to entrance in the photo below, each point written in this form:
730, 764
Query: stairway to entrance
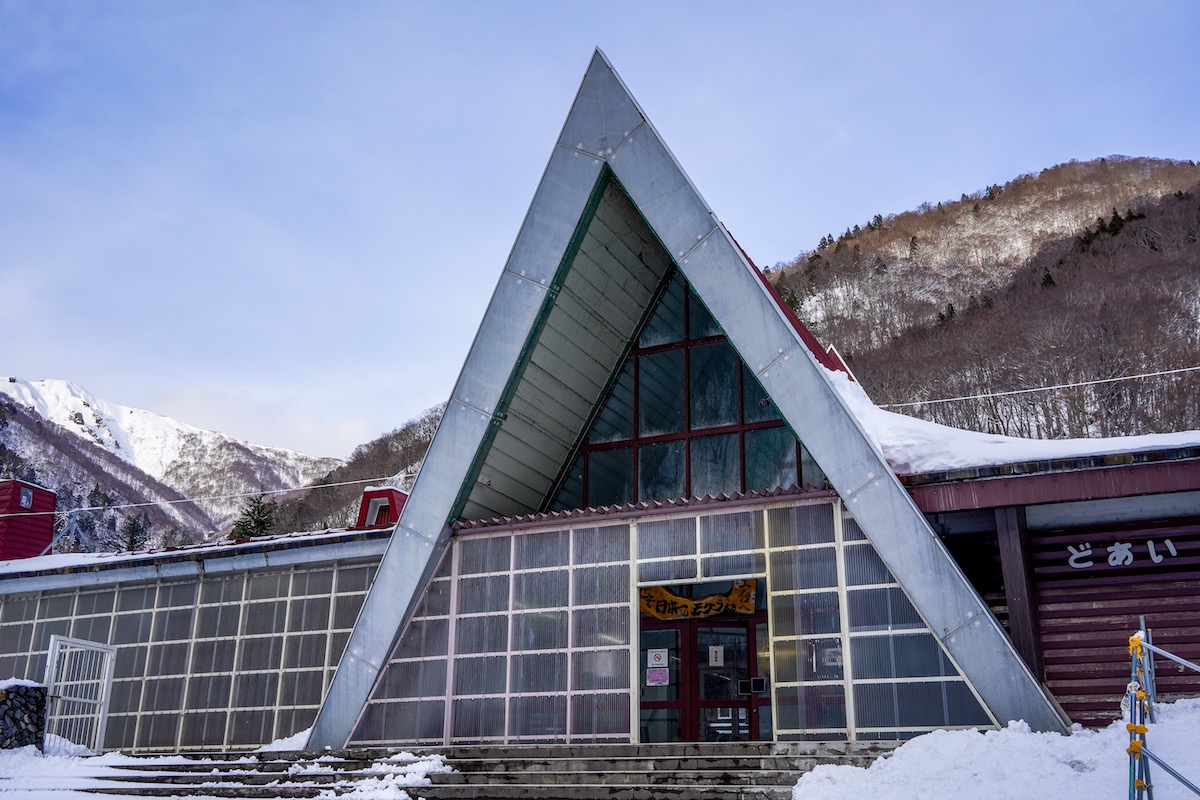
684, 771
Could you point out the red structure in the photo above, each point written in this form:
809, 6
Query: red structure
1071, 553
26, 519
380, 507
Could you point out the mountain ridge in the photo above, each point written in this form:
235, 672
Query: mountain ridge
84, 447
1084, 272
1103, 283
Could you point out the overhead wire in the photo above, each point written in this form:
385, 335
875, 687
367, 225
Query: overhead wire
196, 499
1076, 384
236, 495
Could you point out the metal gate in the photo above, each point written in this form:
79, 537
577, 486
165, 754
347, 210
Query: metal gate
79, 678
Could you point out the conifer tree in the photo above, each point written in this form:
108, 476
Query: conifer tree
134, 534
257, 518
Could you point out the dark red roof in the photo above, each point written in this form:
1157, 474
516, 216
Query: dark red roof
827, 358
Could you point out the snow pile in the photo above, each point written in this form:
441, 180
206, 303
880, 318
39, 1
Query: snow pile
394, 778
27, 773
913, 445
58, 746
296, 741
1018, 764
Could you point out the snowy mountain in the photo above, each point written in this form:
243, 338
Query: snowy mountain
93, 452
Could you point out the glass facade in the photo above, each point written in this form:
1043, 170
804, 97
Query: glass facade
523, 636
529, 634
684, 418
852, 655
223, 661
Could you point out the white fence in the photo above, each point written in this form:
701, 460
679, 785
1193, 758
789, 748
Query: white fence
79, 678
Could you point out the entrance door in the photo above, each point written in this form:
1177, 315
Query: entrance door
705, 680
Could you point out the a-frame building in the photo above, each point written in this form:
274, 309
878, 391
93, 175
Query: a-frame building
648, 515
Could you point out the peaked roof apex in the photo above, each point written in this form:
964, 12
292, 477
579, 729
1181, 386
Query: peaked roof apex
603, 114
511, 396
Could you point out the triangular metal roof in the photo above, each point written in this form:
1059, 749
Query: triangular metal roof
612, 213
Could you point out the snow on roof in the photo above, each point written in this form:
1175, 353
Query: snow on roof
914, 446
60, 562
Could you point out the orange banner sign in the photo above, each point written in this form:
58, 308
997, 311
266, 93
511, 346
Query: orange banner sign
660, 603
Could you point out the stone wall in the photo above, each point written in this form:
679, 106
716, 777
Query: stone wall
22, 715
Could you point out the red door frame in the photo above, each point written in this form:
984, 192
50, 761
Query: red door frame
689, 702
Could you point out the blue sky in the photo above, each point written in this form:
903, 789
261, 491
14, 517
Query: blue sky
284, 220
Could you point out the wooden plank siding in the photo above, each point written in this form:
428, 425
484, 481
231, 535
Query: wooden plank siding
22, 534
1087, 613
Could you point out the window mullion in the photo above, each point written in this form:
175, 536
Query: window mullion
844, 613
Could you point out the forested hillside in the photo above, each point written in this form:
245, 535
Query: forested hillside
1082, 273
1085, 272
393, 459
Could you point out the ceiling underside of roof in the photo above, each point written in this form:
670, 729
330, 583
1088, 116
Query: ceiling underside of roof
605, 293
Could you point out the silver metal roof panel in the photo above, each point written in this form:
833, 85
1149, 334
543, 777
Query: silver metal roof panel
615, 272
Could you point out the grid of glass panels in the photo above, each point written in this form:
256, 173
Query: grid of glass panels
229, 660
685, 418
526, 633
688, 549
852, 657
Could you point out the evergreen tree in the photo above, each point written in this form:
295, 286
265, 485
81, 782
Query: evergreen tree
257, 518
1116, 223
1048, 279
134, 534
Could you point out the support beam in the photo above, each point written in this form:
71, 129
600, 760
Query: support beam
1019, 589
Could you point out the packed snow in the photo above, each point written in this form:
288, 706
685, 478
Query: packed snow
1011, 763
66, 769
294, 742
1018, 764
913, 445
63, 561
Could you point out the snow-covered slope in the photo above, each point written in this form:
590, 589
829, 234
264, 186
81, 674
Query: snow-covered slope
62, 426
148, 441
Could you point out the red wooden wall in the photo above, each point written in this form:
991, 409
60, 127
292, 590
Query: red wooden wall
1087, 612
23, 534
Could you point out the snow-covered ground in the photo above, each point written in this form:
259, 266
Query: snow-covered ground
1013, 763
1017, 764
65, 770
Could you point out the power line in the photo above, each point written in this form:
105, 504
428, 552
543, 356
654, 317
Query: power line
982, 396
195, 499
1042, 388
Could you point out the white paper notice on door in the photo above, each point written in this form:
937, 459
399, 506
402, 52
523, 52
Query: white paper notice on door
716, 655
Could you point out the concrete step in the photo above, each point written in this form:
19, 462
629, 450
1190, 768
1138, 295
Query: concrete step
640, 764
705, 777
600, 792
684, 771
232, 791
